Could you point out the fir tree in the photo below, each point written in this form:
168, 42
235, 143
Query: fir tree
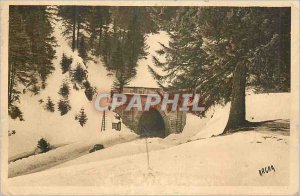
226, 53
143, 14
64, 90
78, 75
14, 112
82, 50
49, 105
98, 21
74, 21
39, 29
89, 90
30, 49
65, 63
185, 58
19, 60
118, 66
124, 44
43, 145
69, 18
64, 106
81, 117
105, 48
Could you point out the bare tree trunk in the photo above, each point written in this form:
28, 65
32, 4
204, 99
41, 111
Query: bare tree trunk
237, 115
11, 76
9, 83
78, 37
74, 29
78, 27
100, 35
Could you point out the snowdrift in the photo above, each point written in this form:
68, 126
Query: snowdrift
259, 107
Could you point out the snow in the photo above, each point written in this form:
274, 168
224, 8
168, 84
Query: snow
192, 158
62, 154
196, 128
119, 150
258, 107
216, 124
271, 106
144, 77
197, 163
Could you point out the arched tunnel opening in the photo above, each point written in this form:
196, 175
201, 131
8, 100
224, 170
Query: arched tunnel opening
151, 124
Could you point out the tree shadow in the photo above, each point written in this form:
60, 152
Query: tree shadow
279, 126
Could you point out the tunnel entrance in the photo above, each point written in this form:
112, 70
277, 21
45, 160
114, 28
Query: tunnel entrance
152, 124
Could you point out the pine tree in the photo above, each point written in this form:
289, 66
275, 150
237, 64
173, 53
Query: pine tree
64, 106
43, 145
68, 15
78, 75
143, 14
65, 63
125, 44
105, 48
81, 117
30, 50
39, 29
89, 90
74, 21
49, 105
64, 90
236, 44
186, 60
118, 66
20, 70
82, 50
15, 112
163, 17
246, 34
98, 21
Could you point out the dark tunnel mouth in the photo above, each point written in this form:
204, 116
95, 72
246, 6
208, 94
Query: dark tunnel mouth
151, 124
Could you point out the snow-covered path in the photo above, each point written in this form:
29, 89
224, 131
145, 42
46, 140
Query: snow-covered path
196, 163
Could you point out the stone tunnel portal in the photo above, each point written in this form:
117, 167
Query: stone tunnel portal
151, 123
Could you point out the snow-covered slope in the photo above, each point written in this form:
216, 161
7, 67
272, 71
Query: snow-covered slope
52, 126
194, 164
66, 153
64, 129
259, 107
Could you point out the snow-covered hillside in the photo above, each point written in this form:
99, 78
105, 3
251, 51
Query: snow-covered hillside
259, 107
193, 164
60, 130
